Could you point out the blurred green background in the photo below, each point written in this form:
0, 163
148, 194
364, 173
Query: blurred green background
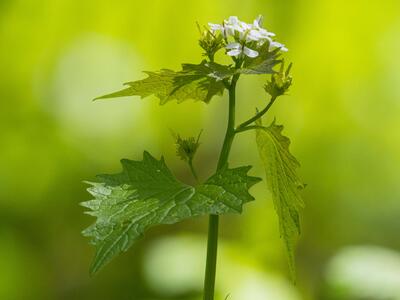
342, 117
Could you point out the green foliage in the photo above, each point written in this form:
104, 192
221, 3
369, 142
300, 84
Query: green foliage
146, 194
283, 183
199, 82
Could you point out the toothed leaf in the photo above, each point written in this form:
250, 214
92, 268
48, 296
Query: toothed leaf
146, 194
283, 183
197, 82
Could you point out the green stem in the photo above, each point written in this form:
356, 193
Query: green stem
257, 116
193, 170
212, 244
230, 131
211, 264
249, 128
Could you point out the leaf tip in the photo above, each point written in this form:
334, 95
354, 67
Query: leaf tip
123, 161
89, 182
147, 155
92, 272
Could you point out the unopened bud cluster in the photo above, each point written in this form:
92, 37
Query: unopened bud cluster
210, 43
186, 147
280, 82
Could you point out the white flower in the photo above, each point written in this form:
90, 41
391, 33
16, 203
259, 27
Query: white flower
254, 35
232, 25
282, 47
241, 33
249, 52
248, 32
237, 49
261, 32
216, 27
266, 34
232, 20
233, 47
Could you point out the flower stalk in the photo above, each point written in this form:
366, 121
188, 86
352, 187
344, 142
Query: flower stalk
212, 244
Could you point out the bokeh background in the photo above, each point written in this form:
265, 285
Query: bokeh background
342, 116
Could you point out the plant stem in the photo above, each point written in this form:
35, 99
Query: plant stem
250, 127
257, 116
230, 131
211, 263
193, 170
212, 244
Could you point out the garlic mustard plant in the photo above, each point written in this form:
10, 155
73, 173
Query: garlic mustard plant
146, 193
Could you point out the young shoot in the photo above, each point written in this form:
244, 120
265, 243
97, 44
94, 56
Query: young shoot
186, 149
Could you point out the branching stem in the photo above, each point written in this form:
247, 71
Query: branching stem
250, 127
212, 244
257, 116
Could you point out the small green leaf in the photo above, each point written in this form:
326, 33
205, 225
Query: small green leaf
263, 63
283, 183
146, 194
197, 82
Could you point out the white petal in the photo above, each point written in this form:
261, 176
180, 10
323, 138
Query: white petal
238, 28
233, 20
215, 27
233, 46
234, 24
254, 35
230, 31
249, 52
266, 33
234, 52
268, 39
278, 45
245, 26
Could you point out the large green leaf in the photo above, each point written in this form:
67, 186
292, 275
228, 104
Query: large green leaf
283, 183
197, 82
146, 194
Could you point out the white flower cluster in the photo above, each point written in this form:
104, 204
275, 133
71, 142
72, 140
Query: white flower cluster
243, 34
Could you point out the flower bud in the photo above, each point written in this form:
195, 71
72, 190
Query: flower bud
280, 82
186, 147
210, 42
